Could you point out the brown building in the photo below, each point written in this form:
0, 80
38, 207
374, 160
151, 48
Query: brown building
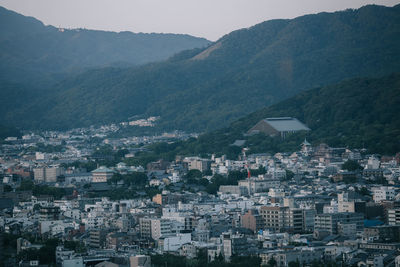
252, 220
349, 177
164, 199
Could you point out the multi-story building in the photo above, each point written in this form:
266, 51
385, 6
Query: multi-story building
329, 221
49, 213
383, 193
102, 174
349, 202
252, 220
48, 174
394, 216
145, 227
174, 242
97, 238
196, 163
233, 245
282, 218
257, 185
159, 227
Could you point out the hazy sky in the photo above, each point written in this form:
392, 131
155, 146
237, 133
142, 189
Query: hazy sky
204, 18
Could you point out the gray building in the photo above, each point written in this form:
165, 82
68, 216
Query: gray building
278, 126
329, 221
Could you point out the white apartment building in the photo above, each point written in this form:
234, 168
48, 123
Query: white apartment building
383, 193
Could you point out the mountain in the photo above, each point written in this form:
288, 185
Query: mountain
30, 50
205, 89
356, 113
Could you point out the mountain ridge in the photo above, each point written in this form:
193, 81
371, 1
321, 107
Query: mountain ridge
252, 68
53, 49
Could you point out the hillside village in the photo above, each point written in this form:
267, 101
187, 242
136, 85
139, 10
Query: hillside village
317, 205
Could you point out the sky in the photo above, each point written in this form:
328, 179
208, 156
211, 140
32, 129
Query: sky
210, 19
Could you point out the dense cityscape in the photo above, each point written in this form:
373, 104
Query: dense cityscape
225, 133
319, 205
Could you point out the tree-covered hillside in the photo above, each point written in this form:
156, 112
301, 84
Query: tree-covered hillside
30, 50
204, 89
357, 113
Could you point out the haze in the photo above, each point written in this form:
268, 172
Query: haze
210, 19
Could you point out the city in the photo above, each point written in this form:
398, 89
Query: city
227, 133
317, 205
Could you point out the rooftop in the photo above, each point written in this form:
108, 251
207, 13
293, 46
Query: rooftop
102, 169
285, 124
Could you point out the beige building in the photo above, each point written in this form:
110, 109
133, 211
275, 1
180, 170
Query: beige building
282, 218
102, 174
48, 174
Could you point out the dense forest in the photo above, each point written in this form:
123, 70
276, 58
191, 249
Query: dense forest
204, 89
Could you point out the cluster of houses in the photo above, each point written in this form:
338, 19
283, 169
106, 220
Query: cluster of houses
303, 207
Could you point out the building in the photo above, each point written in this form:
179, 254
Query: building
373, 174
175, 242
49, 213
257, 185
167, 198
48, 174
282, 218
102, 174
196, 163
145, 227
278, 126
233, 245
394, 216
97, 238
383, 193
233, 190
302, 255
160, 227
252, 220
140, 261
383, 233
349, 202
329, 221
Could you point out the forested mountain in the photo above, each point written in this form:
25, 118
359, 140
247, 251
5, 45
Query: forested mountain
203, 89
357, 113
30, 51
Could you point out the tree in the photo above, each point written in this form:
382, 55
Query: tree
294, 263
7, 188
351, 165
272, 262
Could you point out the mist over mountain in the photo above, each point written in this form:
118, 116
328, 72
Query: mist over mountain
31, 51
205, 89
